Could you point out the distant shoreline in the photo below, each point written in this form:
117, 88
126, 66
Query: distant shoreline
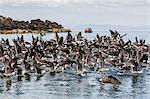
24, 31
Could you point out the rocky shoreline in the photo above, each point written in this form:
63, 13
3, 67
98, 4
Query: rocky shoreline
10, 26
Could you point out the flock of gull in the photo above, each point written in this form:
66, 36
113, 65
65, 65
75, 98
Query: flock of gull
102, 54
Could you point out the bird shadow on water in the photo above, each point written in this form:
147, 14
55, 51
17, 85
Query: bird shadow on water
136, 80
27, 77
38, 77
19, 78
138, 84
18, 88
8, 84
52, 74
109, 90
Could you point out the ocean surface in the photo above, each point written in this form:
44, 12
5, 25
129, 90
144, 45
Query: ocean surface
71, 86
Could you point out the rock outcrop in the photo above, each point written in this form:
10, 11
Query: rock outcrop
8, 24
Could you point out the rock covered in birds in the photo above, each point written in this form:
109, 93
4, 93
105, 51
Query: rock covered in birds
7, 24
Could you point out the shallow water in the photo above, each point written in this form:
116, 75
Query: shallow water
71, 86
132, 32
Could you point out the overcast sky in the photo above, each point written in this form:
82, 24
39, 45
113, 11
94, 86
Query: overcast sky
111, 12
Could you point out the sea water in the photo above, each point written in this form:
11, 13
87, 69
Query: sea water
68, 85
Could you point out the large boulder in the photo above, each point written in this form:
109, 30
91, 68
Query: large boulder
56, 25
48, 24
37, 24
2, 26
22, 25
6, 23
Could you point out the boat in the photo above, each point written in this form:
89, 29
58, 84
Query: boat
88, 30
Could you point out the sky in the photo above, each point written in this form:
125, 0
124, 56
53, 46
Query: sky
77, 12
